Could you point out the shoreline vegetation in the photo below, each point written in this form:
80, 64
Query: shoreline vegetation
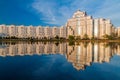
106, 38
63, 40
57, 41
71, 40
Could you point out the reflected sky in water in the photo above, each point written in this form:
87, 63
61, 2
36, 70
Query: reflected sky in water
59, 61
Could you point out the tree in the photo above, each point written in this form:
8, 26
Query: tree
71, 37
57, 43
0, 37
45, 38
78, 37
94, 38
114, 35
105, 36
71, 43
110, 37
85, 37
56, 37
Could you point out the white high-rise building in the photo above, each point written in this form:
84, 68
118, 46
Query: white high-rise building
96, 28
48, 32
3, 31
80, 25
22, 31
40, 32
12, 31
63, 32
55, 31
31, 32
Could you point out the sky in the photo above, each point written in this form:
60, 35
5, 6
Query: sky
55, 12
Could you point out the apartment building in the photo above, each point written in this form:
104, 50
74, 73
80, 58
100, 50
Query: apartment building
80, 25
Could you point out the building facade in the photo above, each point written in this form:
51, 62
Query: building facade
80, 25
38, 32
22, 31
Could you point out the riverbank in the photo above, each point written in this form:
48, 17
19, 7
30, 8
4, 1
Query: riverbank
59, 40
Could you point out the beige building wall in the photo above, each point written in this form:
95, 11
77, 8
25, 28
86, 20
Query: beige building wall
12, 31
90, 27
80, 25
3, 30
55, 31
48, 32
40, 32
102, 28
76, 24
70, 24
31, 32
113, 29
96, 28
108, 27
22, 31
118, 31
63, 32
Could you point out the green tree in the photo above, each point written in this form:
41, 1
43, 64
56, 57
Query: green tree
110, 37
78, 37
56, 37
71, 37
71, 43
105, 36
85, 37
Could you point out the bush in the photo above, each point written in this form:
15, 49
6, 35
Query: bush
56, 37
71, 43
71, 37
85, 37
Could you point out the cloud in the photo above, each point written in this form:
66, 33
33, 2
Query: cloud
53, 12
45, 9
110, 10
58, 12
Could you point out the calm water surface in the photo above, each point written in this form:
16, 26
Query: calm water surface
59, 61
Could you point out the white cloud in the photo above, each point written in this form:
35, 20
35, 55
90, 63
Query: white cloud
46, 9
110, 10
53, 13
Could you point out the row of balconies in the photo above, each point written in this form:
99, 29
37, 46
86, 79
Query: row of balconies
32, 33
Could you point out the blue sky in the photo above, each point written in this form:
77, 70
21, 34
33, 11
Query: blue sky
55, 12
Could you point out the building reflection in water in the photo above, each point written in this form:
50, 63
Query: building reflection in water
80, 54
